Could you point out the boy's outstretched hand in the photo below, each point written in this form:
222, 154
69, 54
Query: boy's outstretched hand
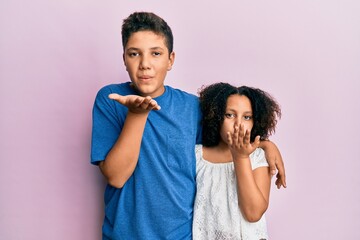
275, 161
135, 103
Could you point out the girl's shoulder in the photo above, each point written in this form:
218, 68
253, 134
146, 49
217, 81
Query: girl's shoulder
198, 151
258, 159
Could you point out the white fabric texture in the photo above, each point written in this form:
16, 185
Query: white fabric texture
216, 211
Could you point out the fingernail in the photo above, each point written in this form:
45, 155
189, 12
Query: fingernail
273, 172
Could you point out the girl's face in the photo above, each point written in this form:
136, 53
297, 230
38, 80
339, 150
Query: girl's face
238, 111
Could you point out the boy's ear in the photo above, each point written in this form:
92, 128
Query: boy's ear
171, 60
124, 61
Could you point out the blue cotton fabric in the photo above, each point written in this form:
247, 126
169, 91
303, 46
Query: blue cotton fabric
157, 200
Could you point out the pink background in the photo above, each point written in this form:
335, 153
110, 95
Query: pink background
55, 55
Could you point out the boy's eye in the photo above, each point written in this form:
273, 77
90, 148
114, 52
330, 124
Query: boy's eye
247, 117
133, 54
229, 115
156, 53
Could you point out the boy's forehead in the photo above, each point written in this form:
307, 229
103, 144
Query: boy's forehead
146, 39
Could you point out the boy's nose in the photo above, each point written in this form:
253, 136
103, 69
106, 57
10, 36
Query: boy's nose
144, 63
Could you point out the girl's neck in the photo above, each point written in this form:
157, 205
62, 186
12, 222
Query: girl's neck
217, 154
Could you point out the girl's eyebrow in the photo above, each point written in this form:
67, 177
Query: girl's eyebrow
233, 110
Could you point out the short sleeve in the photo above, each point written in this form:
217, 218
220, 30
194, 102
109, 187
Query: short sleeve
258, 159
199, 125
107, 124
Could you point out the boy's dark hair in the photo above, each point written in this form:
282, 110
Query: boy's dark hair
213, 99
146, 21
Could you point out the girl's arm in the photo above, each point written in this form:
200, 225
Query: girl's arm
121, 161
253, 187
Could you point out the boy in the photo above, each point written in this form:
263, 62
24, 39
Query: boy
144, 146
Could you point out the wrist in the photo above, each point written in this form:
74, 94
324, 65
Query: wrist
241, 158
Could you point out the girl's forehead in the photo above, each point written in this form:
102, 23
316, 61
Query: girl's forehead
237, 100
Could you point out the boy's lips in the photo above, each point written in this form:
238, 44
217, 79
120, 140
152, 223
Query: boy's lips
145, 78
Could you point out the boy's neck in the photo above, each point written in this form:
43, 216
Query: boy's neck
145, 95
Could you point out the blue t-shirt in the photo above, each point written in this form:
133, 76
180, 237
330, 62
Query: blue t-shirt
157, 200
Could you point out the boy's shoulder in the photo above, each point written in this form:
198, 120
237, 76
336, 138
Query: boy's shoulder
119, 88
180, 93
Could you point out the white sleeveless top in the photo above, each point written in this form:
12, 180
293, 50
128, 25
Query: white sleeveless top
217, 214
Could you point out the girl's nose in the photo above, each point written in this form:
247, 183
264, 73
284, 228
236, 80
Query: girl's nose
238, 121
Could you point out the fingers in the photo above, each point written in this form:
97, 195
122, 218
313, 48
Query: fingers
136, 102
234, 138
118, 98
256, 142
281, 177
229, 138
149, 104
246, 137
280, 181
272, 166
242, 136
235, 135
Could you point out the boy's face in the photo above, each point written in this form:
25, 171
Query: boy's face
238, 111
147, 61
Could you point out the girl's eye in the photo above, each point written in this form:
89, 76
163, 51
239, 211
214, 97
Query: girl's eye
229, 115
247, 117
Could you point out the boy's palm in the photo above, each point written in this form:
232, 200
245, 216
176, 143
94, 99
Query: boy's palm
135, 103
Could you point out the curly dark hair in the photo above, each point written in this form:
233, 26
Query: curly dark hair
146, 21
213, 99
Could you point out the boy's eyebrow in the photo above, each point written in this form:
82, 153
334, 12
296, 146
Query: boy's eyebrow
132, 49
138, 49
156, 48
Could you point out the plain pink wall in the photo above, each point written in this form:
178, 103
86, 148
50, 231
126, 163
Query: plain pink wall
55, 55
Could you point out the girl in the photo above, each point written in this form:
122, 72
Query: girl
232, 174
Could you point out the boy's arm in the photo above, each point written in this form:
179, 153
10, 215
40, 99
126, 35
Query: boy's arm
275, 161
121, 160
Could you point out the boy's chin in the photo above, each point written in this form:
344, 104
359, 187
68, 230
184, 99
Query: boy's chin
148, 91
